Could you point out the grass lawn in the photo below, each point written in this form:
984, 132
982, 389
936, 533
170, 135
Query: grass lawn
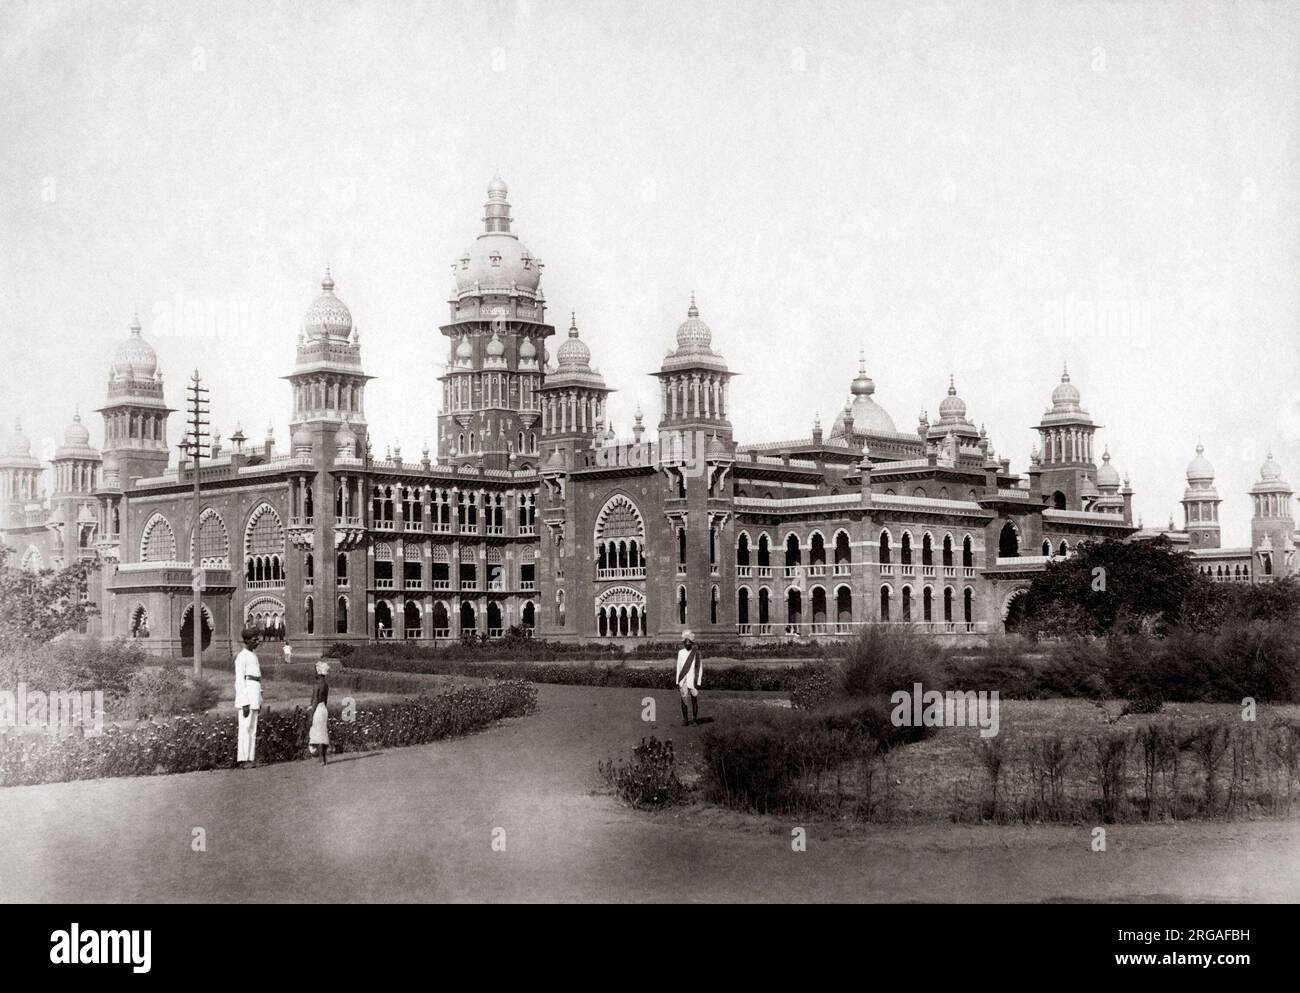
945, 778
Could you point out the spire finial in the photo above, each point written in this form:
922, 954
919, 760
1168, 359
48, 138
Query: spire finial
1065, 372
135, 322
327, 284
862, 361
952, 385
573, 324
692, 310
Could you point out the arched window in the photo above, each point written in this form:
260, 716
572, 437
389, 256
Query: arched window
967, 597
1047, 547
947, 604
681, 605
1064, 550
905, 549
742, 605
264, 543
157, 540
742, 550
884, 603
341, 616
884, 547
792, 551
713, 606
843, 551
927, 604
341, 567
1008, 542
817, 550
308, 616
907, 604
967, 552
927, 549
764, 605
212, 541
1058, 500
763, 552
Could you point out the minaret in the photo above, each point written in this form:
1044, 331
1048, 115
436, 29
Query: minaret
1066, 431
1201, 503
135, 414
573, 400
74, 511
1108, 485
694, 383
327, 379
491, 391
20, 481
1272, 525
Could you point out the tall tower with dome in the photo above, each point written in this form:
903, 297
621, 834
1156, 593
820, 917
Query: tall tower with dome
135, 414
492, 388
694, 384
1066, 432
1201, 503
573, 401
1272, 524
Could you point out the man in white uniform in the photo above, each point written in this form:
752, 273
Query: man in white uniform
690, 673
248, 697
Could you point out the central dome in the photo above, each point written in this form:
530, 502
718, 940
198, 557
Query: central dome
135, 356
1199, 470
693, 335
328, 316
1066, 395
869, 418
497, 260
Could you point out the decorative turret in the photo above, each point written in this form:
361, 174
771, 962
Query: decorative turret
135, 413
693, 382
573, 398
1201, 503
1272, 524
327, 379
1066, 434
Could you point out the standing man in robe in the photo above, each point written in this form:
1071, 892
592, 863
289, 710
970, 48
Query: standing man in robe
690, 673
248, 697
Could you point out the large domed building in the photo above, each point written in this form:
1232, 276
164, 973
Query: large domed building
536, 516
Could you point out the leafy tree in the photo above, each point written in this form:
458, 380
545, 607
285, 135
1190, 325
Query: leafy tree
1116, 586
39, 606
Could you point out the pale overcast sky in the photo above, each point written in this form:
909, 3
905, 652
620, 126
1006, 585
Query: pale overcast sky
934, 183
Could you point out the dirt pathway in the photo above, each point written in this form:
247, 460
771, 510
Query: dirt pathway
418, 824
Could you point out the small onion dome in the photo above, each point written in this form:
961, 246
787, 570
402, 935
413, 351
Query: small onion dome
345, 439
1270, 471
464, 351
495, 349
328, 316
527, 350
869, 418
556, 462
716, 449
76, 436
1108, 475
1066, 395
301, 441
574, 354
693, 335
135, 356
1199, 470
952, 407
1088, 488
19, 447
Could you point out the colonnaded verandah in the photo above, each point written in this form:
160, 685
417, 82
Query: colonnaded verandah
534, 515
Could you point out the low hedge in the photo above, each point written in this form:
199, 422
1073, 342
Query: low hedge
193, 744
775, 760
521, 648
732, 677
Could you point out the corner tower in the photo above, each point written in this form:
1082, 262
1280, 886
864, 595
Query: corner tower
491, 391
1272, 526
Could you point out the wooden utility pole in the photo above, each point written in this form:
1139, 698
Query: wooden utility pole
193, 445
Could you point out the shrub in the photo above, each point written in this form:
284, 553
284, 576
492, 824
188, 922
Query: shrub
883, 659
649, 780
193, 743
777, 759
164, 692
73, 664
